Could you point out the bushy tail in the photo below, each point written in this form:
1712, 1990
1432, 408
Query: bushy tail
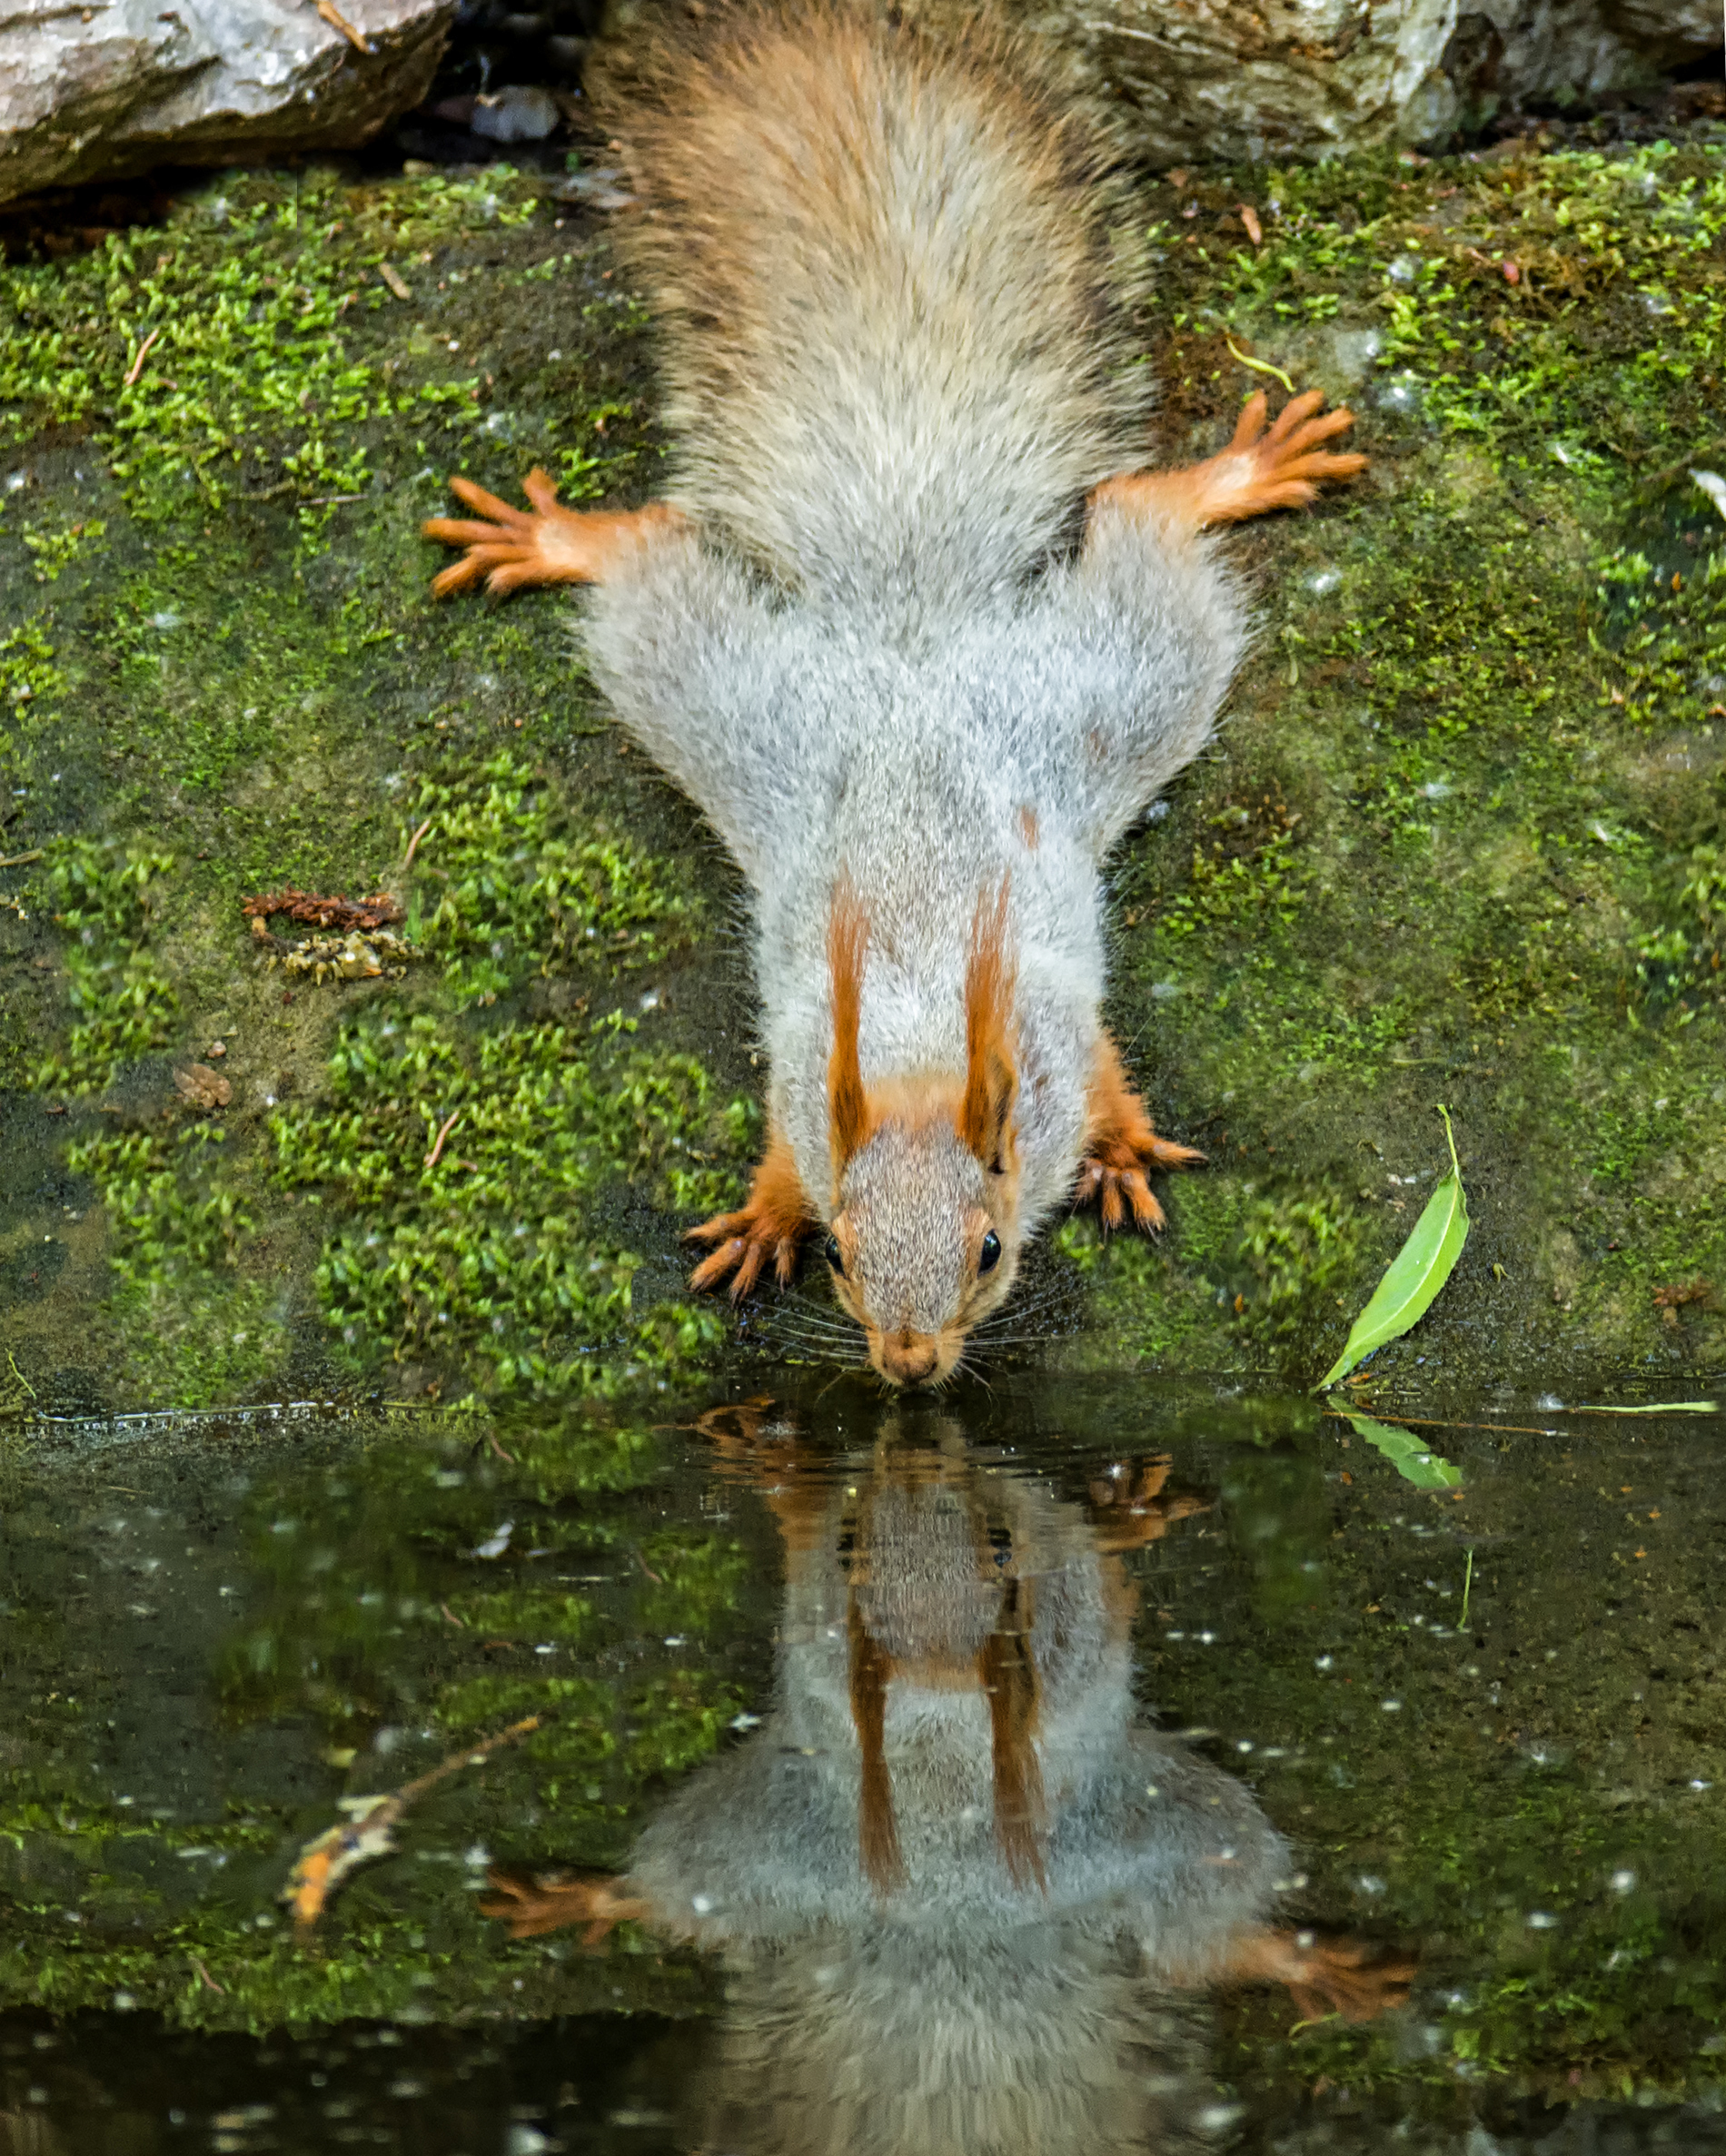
896, 350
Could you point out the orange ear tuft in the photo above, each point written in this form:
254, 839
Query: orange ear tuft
991, 1081
1007, 1669
877, 1834
849, 1116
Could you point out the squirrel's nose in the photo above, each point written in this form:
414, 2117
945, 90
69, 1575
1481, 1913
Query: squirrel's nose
908, 1357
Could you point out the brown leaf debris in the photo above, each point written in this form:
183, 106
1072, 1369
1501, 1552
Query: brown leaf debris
202, 1087
379, 910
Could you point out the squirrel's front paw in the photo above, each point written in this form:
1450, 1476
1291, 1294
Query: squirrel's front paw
1127, 1511
771, 1224
1114, 1166
743, 1243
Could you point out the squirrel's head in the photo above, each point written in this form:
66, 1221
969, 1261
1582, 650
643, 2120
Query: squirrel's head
924, 1238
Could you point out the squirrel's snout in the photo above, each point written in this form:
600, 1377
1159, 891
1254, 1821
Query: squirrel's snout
907, 1358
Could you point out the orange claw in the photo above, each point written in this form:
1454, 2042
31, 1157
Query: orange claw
1119, 1146
772, 1224
546, 544
1261, 469
533, 1903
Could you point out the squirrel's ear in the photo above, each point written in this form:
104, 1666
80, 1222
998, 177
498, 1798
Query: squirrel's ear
991, 1081
848, 1115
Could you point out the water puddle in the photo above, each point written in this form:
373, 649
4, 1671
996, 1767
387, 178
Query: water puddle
1109, 1769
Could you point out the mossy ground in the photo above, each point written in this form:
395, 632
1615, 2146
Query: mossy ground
1462, 838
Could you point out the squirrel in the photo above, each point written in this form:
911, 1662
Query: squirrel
957, 1886
911, 625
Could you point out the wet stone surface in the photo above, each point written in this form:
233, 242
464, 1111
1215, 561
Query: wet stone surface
1486, 1725
1461, 839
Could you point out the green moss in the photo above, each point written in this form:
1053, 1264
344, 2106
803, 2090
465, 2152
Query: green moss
217, 353
123, 1001
521, 891
678, 1721
488, 1258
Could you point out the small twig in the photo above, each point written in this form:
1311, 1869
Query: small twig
647, 1568
449, 1613
396, 281
413, 845
450, 1122
18, 860
136, 367
208, 1979
492, 1439
333, 15
1258, 366
325, 1863
322, 501
1468, 1581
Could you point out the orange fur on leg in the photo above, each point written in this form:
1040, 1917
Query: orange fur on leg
772, 1223
1120, 1145
546, 544
1258, 471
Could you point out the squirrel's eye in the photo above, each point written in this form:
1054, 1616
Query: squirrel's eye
990, 1256
831, 1251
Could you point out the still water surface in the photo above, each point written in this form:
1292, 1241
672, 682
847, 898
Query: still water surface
1091, 1770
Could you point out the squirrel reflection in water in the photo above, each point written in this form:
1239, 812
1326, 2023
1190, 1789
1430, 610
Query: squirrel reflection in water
959, 1887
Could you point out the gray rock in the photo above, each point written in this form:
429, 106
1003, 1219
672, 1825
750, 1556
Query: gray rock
99, 91
515, 114
1209, 80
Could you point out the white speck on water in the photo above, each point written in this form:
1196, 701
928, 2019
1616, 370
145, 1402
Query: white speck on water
167, 618
678, 1639
1623, 1881
1368, 1883
1323, 580
1323, 1661
1542, 1920
1548, 1403
1391, 1706
746, 1721
477, 1858
703, 1904
495, 1543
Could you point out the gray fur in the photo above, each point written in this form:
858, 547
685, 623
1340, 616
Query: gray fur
962, 2011
868, 653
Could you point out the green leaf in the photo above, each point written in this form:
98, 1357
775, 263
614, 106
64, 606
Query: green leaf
1657, 1407
1416, 1273
1413, 1461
